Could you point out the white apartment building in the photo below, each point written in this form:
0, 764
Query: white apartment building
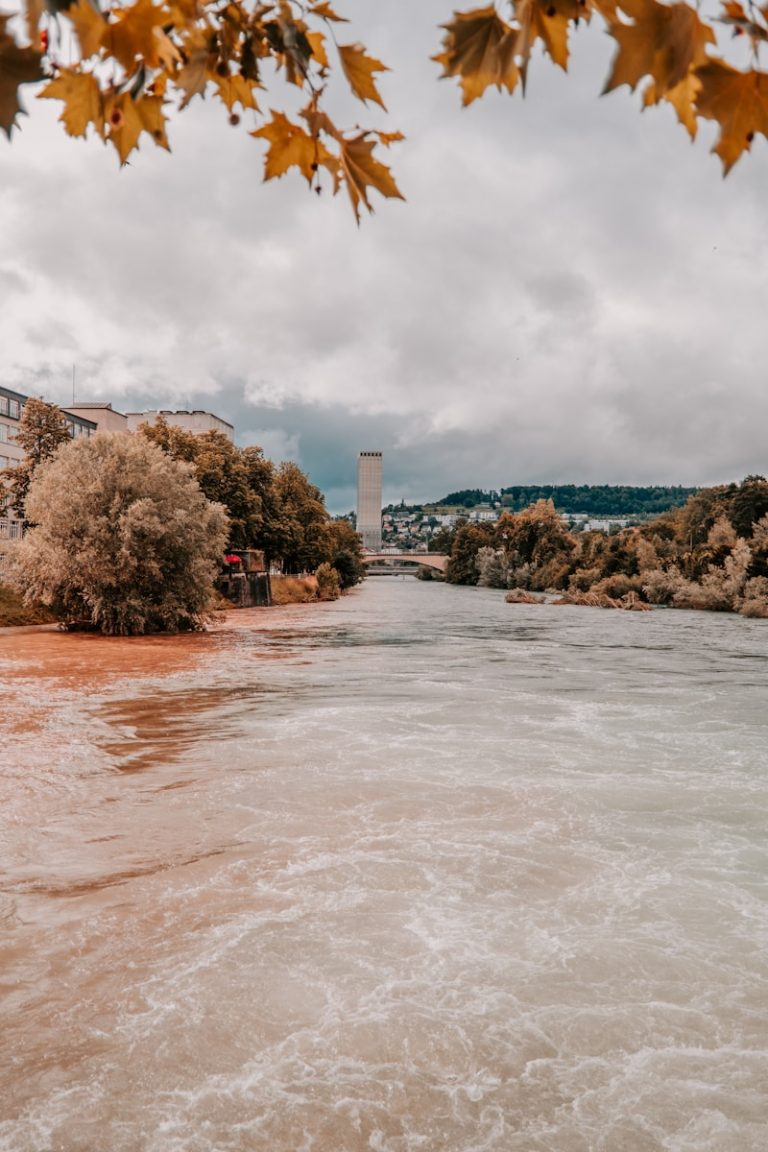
11, 406
369, 471
196, 422
104, 416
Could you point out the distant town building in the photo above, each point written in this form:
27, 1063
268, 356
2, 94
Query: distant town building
369, 468
197, 422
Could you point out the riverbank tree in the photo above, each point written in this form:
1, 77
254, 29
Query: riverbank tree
276, 510
124, 539
344, 552
41, 431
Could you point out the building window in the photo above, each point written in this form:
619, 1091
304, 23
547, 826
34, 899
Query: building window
4, 430
4, 405
14, 409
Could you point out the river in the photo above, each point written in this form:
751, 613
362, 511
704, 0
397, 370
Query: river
415, 871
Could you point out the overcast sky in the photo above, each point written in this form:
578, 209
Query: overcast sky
571, 291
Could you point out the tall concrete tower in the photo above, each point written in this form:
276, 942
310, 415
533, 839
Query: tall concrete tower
369, 499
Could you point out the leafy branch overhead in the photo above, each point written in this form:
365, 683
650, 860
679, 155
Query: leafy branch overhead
121, 71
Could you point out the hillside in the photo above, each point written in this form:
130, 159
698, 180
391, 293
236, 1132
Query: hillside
593, 499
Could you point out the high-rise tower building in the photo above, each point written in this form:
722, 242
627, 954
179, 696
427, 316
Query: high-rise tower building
369, 499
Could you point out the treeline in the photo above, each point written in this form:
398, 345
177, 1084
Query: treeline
711, 553
469, 497
598, 500
274, 509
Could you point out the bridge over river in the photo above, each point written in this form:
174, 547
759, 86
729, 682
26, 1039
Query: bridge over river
389, 563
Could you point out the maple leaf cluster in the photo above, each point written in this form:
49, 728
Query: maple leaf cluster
119, 72
137, 61
666, 45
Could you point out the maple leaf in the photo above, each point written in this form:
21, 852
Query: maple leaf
17, 66
361, 171
664, 41
739, 103
291, 147
319, 122
324, 10
127, 118
134, 35
289, 39
480, 49
235, 90
194, 76
359, 70
387, 138
90, 26
184, 12
682, 98
83, 102
317, 43
546, 20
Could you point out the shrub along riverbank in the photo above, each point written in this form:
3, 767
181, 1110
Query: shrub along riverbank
14, 613
710, 554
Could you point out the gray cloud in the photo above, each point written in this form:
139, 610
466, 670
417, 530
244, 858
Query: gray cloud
571, 291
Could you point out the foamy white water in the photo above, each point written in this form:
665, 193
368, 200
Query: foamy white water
418, 871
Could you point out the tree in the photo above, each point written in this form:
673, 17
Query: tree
261, 478
328, 583
442, 541
224, 477
118, 71
537, 544
345, 552
124, 538
277, 511
491, 568
41, 432
304, 520
749, 504
224, 472
467, 542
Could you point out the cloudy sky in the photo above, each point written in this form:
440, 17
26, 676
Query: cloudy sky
571, 291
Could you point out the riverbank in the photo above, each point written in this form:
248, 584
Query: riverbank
14, 613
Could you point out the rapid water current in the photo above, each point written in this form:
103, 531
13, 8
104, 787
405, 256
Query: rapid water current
416, 871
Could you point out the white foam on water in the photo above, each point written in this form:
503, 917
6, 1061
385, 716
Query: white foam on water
448, 875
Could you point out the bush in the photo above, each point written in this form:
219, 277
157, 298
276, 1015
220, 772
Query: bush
662, 585
293, 590
618, 585
328, 583
14, 613
491, 567
755, 602
124, 539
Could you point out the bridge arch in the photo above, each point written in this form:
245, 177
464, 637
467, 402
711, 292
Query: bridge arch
409, 560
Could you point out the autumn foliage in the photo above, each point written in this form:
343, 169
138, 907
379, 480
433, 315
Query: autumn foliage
710, 554
120, 72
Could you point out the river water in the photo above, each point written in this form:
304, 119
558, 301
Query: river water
416, 871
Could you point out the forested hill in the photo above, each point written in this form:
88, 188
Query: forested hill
594, 499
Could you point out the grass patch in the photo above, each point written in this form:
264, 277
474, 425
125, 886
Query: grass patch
15, 613
293, 589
